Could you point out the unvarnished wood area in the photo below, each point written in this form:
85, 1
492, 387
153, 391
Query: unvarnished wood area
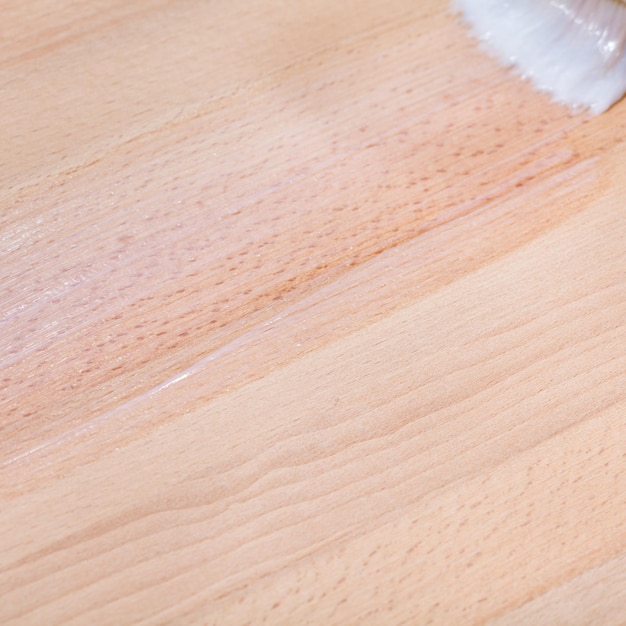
310, 313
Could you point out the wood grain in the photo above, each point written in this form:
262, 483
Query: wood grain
310, 314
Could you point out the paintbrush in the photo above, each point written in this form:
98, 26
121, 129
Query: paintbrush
573, 49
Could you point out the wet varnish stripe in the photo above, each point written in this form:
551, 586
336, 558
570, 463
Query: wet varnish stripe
180, 241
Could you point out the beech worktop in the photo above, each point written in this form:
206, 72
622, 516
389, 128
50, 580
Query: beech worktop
310, 313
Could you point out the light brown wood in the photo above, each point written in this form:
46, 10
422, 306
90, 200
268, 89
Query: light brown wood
310, 314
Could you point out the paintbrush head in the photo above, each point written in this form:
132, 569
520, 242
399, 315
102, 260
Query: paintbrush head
572, 49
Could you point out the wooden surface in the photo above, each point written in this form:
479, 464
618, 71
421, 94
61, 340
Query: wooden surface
310, 314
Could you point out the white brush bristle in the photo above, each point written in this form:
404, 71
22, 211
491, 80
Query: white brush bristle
573, 49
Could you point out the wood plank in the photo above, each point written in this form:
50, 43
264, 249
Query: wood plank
309, 313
